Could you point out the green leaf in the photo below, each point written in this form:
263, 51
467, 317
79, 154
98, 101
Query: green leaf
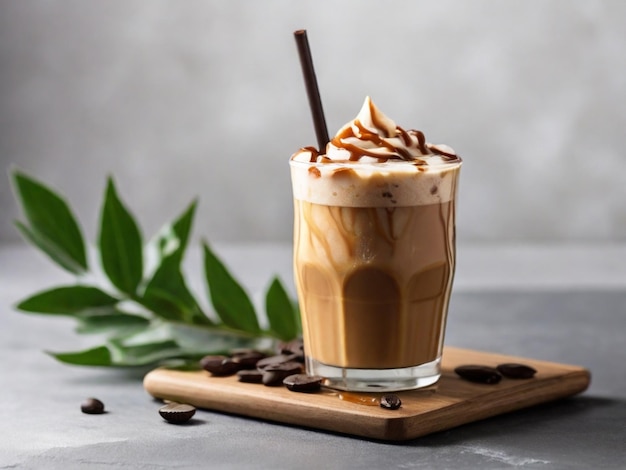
173, 238
167, 294
98, 356
116, 323
281, 313
175, 330
120, 243
117, 355
44, 244
144, 354
215, 341
163, 304
51, 225
230, 300
69, 300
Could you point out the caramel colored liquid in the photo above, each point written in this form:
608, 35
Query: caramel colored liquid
374, 283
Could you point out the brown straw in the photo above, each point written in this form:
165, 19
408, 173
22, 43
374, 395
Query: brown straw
310, 81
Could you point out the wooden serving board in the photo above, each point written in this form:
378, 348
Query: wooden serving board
450, 403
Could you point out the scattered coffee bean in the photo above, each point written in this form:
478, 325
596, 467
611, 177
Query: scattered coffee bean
274, 374
274, 378
250, 376
479, 374
516, 371
289, 366
211, 362
253, 366
390, 402
92, 406
220, 365
278, 359
229, 367
303, 382
177, 413
295, 346
248, 359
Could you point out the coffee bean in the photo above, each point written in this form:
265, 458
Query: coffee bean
299, 358
177, 413
248, 359
277, 359
272, 378
220, 365
390, 402
303, 382
479, 374
289, 366
295, 346
274, 374
92, 406
228, 367
516, 371
250, 376
211, 362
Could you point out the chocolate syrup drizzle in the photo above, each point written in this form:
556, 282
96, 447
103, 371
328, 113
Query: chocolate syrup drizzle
398, 153
411, 139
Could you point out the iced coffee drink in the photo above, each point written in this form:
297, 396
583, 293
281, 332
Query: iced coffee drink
374, 253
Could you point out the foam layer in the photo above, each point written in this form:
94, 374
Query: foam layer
360, 184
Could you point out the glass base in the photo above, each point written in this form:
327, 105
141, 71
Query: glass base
376, 380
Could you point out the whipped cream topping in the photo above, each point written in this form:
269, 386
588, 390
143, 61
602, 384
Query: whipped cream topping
372, 137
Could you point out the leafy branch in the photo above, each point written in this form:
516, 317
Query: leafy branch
145, 318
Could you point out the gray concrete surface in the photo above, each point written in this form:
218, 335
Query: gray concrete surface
579, 323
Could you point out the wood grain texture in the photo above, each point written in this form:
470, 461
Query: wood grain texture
452, 402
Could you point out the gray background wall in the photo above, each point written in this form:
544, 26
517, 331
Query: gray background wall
179, 99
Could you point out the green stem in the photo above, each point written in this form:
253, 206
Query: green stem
210, 326
222, 328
